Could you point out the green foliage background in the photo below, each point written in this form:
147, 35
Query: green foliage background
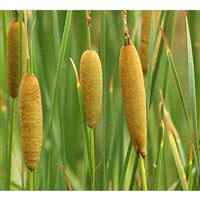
66, 142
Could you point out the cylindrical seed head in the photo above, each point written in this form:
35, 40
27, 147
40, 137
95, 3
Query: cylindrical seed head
12, 56
30, 120
145, 36
133, 96
91, 86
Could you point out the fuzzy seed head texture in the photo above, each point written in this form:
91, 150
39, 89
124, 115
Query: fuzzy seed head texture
91, 86
133, 96
12, 56
145, 36
30, 120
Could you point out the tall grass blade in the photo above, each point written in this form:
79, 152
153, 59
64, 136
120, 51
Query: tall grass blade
86, 138
124, 169
193, 22
159, 56
103, 62
175, 152
160, 158
192, 89
190, 178
149, 75
143, 173
175, 75
59, 67
135, 166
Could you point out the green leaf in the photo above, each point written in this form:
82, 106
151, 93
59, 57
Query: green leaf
192, 90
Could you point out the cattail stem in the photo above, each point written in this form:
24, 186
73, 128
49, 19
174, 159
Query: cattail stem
88, 22
143, 173
84, 169
10, 144
85, 131
89, 38
125, 166
22, 175
103, 61
91, 132
31, 180
3, 60
125, 27
134, 172
86, 138
49, 165
20, 43
160, 155
190, 178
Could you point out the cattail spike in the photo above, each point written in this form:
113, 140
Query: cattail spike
88, 18
133, 95
30, 120
12, 57
125, 26
145, 37
91, 86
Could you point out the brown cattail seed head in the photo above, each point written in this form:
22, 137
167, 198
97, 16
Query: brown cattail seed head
133, 95
91, 86
30, 120
145, 37
12, 57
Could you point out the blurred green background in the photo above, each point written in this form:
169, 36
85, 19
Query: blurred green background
111, 134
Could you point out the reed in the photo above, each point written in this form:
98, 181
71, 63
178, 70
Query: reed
133, 94
12, 57
91, 86
30, 120
145, 37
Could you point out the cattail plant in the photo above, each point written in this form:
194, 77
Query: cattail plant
145, 37
91, 83
13, 68
91, 92
133, 93
30, 120
133, 97
91, 86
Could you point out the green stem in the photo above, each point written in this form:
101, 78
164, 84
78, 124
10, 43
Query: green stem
159, 162
143, 173
89, 37
87, 144
31, 179
173, 16
59, 67
20, 42
4, 87
103, 61
84, 170
49, 165
57, 80
190, 178
93, 156
85, 128
134, 172
124, 169
10, 144
22, 175
159, 57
